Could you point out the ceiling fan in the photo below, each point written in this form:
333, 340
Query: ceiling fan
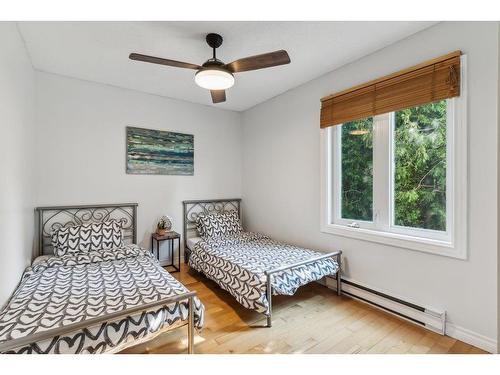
213, 74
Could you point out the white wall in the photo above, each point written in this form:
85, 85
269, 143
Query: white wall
17, 158
281, 175
81, 155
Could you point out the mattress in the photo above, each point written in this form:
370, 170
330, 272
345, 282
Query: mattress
58, 291
238, 264
191, 242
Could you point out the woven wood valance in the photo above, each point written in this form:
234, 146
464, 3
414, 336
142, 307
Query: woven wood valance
432, 80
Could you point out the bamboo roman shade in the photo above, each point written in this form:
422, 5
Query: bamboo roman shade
433, 80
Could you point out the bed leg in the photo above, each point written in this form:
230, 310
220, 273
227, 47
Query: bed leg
190, 326
269, 292
339, 276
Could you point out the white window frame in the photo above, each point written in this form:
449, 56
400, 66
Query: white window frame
453, 242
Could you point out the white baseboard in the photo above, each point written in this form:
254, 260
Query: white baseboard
471, 338
433, 320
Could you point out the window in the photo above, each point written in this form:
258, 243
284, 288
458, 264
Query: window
356, 192
419, 159
399, 178
413, 199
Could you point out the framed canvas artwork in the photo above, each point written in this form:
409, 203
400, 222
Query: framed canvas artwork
159, 152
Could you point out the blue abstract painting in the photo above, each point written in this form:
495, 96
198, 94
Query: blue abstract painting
159, 152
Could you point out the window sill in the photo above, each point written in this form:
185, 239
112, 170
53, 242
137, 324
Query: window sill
425, 245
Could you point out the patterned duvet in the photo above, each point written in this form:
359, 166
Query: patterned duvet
64, 290
237, 263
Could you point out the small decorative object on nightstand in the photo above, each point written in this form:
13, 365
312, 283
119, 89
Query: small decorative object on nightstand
164, 225
170, 237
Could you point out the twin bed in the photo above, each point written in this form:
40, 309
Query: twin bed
90, 289
250, 266
107, 295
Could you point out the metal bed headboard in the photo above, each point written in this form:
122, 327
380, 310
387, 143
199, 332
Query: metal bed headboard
193, 208
55, 217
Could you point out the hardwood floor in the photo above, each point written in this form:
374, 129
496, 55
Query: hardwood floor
314, 320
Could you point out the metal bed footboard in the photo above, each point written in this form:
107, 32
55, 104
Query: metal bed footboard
269, 288
59, 331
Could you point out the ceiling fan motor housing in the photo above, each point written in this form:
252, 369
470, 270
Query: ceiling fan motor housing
213, 63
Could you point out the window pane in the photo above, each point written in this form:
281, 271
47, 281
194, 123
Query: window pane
420, 167
357, 170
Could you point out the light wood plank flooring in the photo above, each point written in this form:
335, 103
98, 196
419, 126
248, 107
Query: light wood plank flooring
314, 320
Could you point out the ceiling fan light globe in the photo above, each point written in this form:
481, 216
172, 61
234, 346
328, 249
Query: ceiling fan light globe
214, 79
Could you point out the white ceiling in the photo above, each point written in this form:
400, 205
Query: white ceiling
98, 51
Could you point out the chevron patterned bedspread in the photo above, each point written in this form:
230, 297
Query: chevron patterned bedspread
64, 290
237, 263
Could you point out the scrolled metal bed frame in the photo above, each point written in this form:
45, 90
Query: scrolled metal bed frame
51, 218
193, 208
54, 217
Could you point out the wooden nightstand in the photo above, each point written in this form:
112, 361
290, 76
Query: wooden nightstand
170, 237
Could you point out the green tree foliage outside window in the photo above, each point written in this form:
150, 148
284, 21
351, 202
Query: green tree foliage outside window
357, 170
420, 167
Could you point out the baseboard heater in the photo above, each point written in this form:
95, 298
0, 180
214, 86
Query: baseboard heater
425, 317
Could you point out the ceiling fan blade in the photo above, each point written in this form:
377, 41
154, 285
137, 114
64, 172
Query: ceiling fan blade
218, 96
265, 60
158, 60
